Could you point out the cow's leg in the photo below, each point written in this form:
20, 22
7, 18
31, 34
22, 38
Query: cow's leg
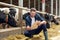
7, 26
3, 25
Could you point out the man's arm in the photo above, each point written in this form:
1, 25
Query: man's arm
27, 25
40, 17
42, 20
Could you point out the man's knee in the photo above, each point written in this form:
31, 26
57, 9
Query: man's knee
40, 28
44, 27
26, 33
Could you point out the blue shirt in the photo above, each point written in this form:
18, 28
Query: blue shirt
29, 20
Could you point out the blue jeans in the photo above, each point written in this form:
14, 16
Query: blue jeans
30, 33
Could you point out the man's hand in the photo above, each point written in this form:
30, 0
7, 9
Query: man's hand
35, 25
43, 22
28, 28
38, 23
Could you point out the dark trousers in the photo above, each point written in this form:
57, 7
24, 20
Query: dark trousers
30, 33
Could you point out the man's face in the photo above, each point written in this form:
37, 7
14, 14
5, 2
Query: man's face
32, 13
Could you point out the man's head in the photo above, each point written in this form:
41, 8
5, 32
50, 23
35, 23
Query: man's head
32, 12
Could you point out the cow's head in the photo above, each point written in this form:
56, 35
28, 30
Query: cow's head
12, 12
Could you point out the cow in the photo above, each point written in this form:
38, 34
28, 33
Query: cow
55, 20
7, 16
51, 18
11, 19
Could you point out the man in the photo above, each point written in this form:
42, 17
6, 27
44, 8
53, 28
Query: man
30, 20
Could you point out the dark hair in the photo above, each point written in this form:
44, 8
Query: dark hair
32, 9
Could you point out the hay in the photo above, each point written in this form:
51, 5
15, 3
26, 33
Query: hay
52, 32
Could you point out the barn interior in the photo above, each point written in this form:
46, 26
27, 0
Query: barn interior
17, 33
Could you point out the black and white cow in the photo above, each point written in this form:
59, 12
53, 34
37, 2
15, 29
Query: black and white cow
51, 18
11, 19
7, 15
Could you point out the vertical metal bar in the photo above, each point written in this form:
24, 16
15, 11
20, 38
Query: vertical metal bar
29, 3
51, 6
20, 19
43, 5
51, 11
20, 3
59, 7
56, 7
20, 11
34, 3
39, 5
20, 14
10, 1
